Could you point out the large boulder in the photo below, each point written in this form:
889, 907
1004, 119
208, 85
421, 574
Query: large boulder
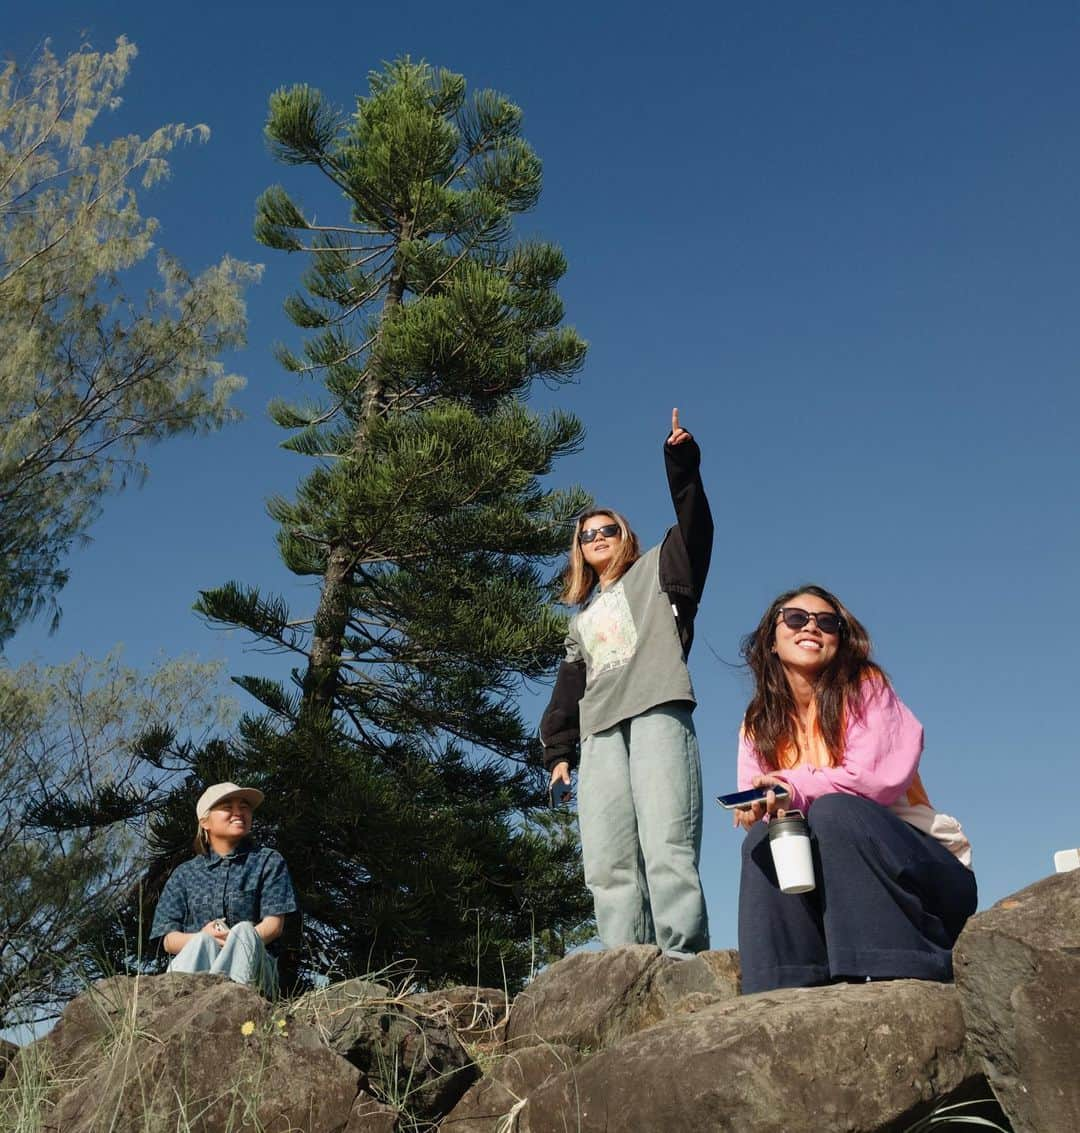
592, 999
199, 1053
409, 1054
859, 1058
1018, 973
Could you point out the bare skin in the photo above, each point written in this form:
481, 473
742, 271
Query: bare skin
678, 436
226, 826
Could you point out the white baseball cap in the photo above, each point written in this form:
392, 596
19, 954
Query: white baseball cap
220, 791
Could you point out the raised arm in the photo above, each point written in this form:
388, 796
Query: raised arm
687, 551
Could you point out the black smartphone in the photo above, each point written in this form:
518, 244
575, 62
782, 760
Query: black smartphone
739, 799
559, 794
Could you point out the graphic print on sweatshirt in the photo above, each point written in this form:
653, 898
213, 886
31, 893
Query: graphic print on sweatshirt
607, 630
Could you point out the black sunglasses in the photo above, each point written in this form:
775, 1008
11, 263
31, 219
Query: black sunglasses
609, 531
794, 618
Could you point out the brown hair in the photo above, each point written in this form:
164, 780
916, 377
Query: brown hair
579, 579
771, 718
201, 845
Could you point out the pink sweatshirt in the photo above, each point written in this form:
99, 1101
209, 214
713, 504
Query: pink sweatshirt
882, 747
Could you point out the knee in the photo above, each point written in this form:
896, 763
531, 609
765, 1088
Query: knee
838, 816
245, 931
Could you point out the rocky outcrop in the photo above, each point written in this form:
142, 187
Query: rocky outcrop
192, 1052
622, 1041
406, 1046
1018, 973
858, 1058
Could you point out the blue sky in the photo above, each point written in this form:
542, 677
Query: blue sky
842, 238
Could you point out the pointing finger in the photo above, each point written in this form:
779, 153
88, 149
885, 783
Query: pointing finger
674, 421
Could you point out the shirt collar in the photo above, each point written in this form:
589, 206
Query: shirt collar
241, 850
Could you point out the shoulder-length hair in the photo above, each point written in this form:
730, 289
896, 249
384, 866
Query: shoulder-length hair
579, 579
771, 721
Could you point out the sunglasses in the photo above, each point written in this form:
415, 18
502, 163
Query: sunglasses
609, 531
794, 618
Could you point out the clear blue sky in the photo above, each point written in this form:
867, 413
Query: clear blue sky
842, 238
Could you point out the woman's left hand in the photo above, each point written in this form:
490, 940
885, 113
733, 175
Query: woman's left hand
678, 434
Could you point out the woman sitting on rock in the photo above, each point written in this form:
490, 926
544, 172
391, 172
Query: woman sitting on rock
894, 879
220, 910
624, 692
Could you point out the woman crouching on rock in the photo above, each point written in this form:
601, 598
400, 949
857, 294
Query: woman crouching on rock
894, 879
624, 694
219, 911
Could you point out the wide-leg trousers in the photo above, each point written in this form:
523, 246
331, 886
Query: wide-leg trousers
639, 810
243, 958
889, 904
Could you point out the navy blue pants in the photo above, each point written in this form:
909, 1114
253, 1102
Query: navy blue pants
889, 904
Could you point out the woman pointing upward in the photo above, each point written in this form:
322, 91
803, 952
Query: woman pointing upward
621, 710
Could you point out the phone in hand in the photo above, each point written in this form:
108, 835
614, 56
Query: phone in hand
559, 794
738, 800
220, 926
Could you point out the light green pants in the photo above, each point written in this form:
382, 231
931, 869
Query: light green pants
243, 958
639, 807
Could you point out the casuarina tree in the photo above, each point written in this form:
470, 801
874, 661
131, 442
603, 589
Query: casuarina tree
89, 373
402, 781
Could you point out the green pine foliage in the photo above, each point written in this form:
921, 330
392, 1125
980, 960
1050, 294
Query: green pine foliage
403, 784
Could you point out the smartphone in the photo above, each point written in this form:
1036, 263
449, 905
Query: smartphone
220, 926
739, 799
559, 794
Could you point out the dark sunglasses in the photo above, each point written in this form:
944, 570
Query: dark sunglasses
794, 618
609, 531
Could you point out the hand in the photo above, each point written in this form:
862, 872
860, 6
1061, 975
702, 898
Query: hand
561, 771
678, 434
773, 806
211, 929
746, 816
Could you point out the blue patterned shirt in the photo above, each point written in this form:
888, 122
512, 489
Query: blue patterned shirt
247, 884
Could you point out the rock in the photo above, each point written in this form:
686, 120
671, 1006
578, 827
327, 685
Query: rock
476, 1014
408, 1058
371, 1116
330, 1010
7, 1053
201, 1053
859, 1058
676, 986
586, 1000
491, 1105
1018, 974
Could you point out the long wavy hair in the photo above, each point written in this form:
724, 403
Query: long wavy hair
771, 720
579, 579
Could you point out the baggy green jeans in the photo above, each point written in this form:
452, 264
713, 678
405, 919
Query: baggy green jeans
639, 809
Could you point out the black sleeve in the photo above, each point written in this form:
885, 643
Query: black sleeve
559, 726
687, 548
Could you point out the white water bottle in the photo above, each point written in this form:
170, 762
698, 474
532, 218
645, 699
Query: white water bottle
789, 840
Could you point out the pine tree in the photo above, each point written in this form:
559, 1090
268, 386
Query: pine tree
402, 781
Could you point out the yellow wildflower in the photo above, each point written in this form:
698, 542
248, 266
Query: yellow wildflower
247, 1028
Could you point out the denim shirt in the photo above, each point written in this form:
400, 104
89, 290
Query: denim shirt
247, 884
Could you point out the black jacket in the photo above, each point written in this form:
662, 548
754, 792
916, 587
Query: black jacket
684, 563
